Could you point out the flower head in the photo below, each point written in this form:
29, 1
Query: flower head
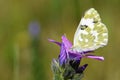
68, 60
67, 53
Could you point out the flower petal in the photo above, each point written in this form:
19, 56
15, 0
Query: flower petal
66, 42
63, 55
82, 68
96, 57
74, 56
58, 43
65, 46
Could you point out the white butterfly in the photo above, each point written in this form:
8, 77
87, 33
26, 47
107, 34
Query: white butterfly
91, 33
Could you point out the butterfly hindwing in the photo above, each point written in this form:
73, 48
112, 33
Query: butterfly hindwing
91, 32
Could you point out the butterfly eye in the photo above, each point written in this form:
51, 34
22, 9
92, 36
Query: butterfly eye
82, 27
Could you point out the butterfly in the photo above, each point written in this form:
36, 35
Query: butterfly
91, 33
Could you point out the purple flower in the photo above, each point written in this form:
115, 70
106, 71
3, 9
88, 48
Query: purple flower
34, 29
70, 60
66, 52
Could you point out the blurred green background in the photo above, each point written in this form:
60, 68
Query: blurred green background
26, 54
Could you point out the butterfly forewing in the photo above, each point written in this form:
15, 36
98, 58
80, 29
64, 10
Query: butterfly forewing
91, 32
